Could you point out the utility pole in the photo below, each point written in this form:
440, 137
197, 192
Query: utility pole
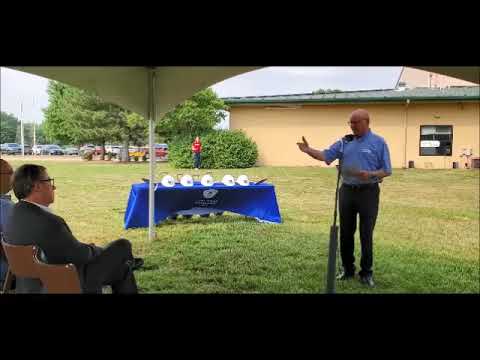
21, 128
34, 126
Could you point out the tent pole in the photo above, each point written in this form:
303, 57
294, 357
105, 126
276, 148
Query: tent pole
152, 155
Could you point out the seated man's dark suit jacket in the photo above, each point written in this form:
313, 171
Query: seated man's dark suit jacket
31, 225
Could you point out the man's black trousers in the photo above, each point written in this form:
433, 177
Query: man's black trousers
362, 200
111, 267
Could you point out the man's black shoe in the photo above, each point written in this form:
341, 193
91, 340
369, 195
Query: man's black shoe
367, 280
345, 276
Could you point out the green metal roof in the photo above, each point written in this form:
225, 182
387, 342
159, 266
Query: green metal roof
463, 93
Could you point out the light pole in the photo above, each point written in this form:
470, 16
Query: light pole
21, 129
34, 126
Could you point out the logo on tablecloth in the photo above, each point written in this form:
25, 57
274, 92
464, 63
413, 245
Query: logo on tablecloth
209, 194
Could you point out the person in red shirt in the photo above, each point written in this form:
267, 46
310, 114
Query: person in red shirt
197, 149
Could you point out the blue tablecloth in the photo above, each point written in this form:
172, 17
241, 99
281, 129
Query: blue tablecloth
257, 201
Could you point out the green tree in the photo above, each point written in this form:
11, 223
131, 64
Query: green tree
40, 134
135, 128
57, 121
28, 133
134, 131
10, 130
77, 116
8, 127
195, 116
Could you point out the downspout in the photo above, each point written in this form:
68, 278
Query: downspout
406, 137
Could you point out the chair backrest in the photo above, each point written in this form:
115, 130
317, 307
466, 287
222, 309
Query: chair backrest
57, 279
20, 259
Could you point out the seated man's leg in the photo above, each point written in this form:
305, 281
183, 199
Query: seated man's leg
3, 267
3, 271
112, 267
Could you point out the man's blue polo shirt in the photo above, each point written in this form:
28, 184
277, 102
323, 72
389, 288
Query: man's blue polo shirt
369, 152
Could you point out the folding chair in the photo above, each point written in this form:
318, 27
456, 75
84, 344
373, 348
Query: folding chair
8, 281
57, 279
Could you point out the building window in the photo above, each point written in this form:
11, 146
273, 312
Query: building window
436, 140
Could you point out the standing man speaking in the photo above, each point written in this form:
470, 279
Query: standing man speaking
365, 162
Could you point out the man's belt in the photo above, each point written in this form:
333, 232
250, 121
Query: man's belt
361, 186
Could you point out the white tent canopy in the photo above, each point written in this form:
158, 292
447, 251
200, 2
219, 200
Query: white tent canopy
127, 86
152, 92
148, 91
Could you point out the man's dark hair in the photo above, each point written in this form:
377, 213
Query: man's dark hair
24, 178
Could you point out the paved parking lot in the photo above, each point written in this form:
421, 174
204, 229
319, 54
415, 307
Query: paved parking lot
65, 158
34, 158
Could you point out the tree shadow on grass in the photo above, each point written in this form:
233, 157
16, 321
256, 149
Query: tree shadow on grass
260, 267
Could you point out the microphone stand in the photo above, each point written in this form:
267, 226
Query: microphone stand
333, 245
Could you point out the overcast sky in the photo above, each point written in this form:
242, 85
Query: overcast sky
18, 87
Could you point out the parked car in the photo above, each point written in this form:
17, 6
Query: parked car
87, 148
161, 151
71, 151
53, 150
113, 149
98, 150
137, 151
27, 149
37, 149
11, 149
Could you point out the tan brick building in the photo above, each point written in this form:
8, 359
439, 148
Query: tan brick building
430, 126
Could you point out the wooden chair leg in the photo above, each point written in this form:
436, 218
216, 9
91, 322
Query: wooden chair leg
7, 286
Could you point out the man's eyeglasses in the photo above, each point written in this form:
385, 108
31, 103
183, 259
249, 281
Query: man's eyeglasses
52, 181
354, 122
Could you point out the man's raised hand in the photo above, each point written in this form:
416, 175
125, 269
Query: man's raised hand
303, 146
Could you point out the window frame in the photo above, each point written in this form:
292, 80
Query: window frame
420, 140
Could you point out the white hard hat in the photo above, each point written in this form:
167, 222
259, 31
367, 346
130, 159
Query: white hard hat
207, 180
186, 180
243, 180
228, 180
168, 181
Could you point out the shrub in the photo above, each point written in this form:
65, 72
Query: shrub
223, 149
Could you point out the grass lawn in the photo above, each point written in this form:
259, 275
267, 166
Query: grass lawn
426, 239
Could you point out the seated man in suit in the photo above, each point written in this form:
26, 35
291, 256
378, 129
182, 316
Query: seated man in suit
33, 223
6, 206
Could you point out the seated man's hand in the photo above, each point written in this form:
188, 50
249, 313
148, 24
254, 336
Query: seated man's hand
96, 249
135, 263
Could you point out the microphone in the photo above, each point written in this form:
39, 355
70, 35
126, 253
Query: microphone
348, 138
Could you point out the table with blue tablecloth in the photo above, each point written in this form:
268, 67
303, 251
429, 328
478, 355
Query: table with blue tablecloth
256, 201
